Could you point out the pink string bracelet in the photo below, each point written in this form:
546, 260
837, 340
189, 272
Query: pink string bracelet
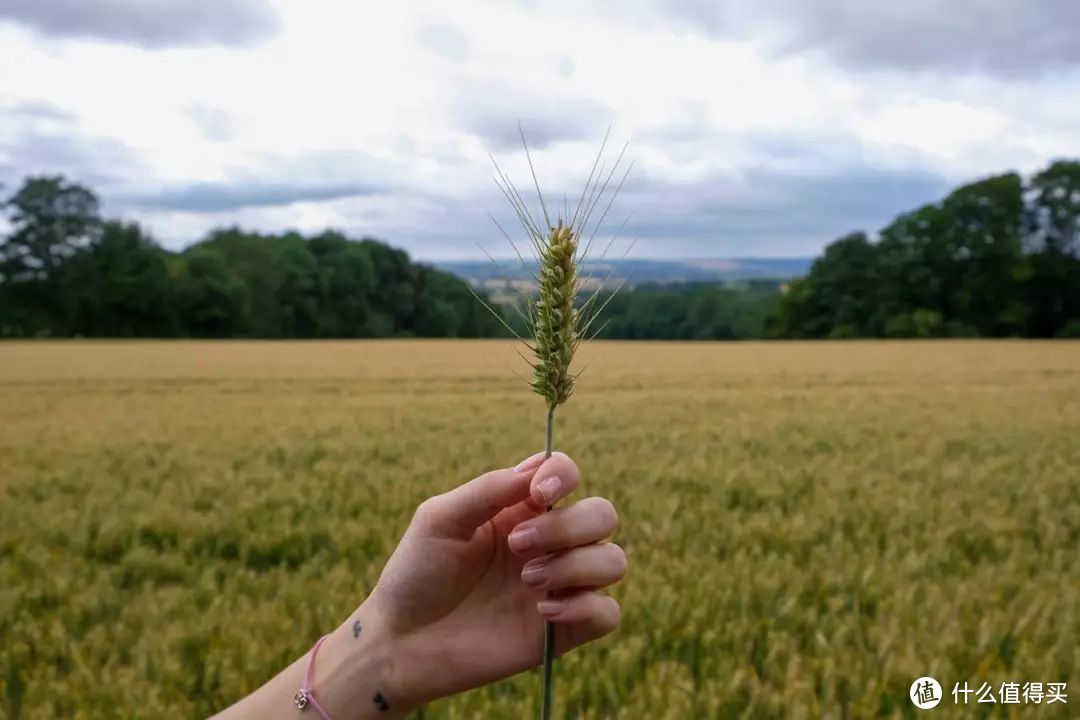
304, 696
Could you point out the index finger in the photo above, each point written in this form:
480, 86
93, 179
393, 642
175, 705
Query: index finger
468, 506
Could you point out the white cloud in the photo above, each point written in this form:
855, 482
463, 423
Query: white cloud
377, 118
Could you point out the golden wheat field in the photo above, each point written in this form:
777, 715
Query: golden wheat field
810, 526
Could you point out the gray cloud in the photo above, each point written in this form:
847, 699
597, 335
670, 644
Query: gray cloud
218, 197
146, 23
542, 127
1008, 38
44, 139
324, 176
492, 112
38, 112
767, 212
811, 192
761, 212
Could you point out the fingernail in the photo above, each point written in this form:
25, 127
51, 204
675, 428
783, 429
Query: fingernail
549, 487
522, 540
534, 574
549, 608
530, 463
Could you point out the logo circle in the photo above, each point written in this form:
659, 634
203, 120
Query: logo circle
925, 693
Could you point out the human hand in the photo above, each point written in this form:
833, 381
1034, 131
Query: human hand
463, 599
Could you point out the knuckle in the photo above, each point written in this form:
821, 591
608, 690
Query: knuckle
428, 510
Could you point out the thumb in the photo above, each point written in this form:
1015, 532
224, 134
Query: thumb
461, 510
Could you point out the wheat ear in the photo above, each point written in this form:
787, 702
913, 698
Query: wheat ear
556, 324
556, 321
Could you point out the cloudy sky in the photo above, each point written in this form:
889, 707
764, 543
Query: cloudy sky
756, 127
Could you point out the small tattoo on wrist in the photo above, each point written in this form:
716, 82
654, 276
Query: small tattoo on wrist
380, 702
356, 628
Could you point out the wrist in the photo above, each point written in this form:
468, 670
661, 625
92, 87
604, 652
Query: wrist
359, 673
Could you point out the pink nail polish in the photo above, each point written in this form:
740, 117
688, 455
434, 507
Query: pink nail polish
549, 487
522, 540
534, 576
548, 608
538, 561
530, 463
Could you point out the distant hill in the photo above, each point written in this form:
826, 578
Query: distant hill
484, 273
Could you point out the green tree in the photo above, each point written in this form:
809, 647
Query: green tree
843, 282
397, 281
121, 285
1056, 204
51, 220
299, 289
348, 277
980, 256
954, 267
912, 270
795, 313
211, 299
693, 311
1052, 287
249, 258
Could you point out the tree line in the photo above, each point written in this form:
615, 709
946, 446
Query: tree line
66, 271
995, 258
998, 257
682, 311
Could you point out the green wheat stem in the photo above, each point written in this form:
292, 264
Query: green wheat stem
550, 425
549, 627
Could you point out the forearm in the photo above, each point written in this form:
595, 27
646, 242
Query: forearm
355, 678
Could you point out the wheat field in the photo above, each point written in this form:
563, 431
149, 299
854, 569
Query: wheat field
810, 526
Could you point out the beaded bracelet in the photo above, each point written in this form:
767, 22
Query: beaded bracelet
305, 696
